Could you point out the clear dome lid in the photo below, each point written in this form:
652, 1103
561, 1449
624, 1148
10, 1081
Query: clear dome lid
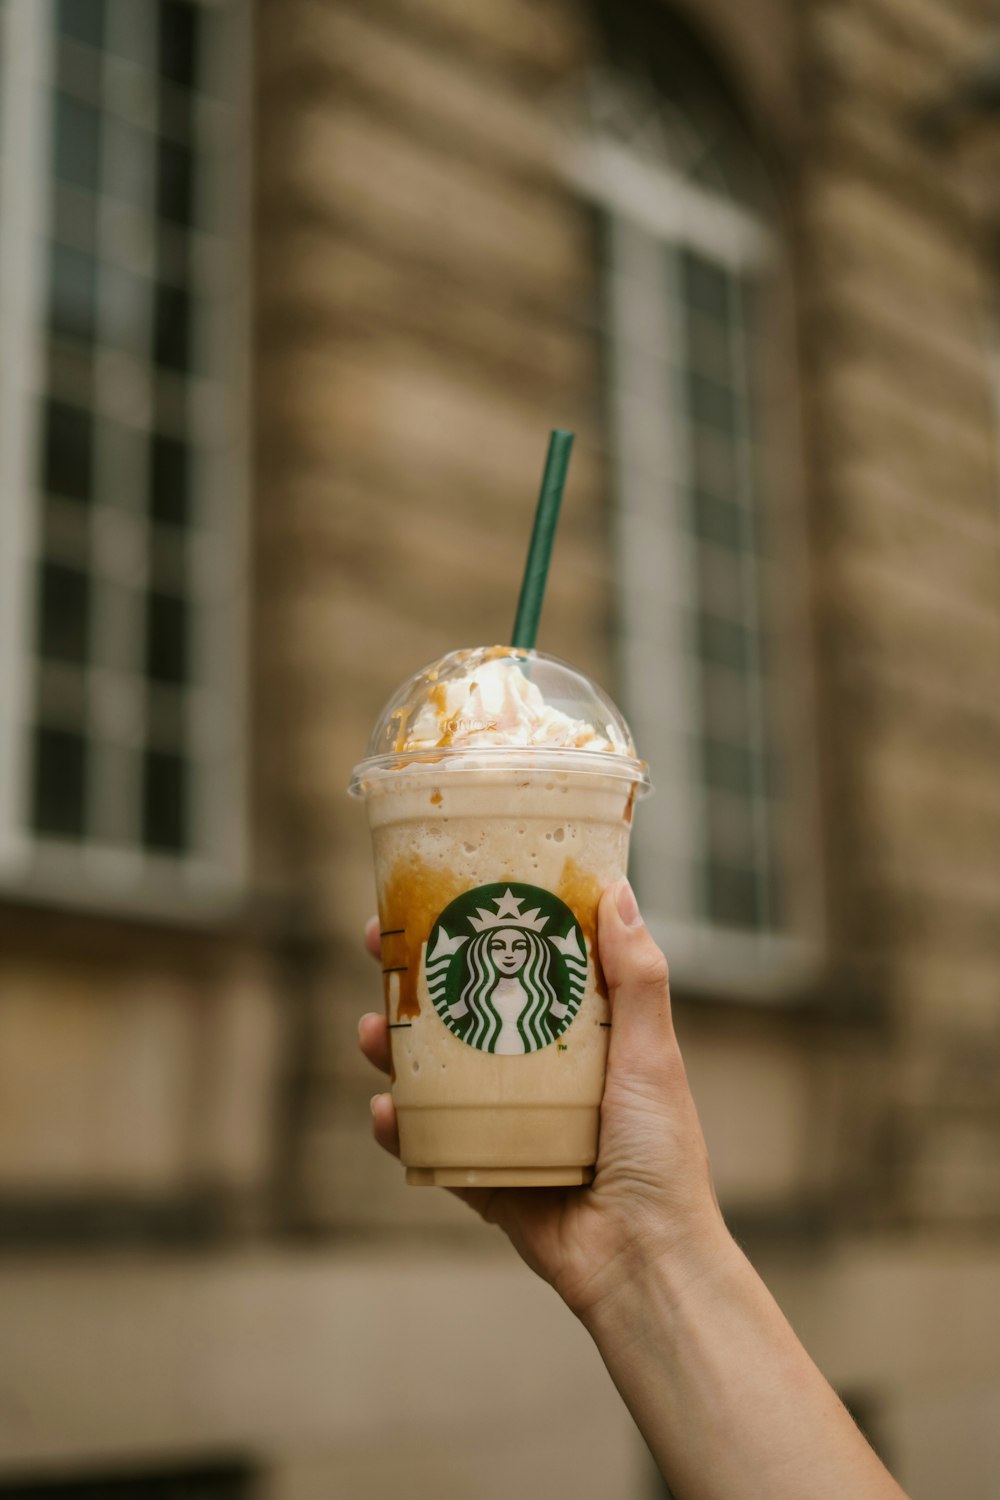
501, 705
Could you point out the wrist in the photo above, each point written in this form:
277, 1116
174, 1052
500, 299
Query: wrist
662, 1273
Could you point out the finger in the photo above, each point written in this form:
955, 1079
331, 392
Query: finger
373, 1036
372, 940
642, 1040
384, 1123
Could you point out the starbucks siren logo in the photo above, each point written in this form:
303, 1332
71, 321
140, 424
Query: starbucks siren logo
506, 968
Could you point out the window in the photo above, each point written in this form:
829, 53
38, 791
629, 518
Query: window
123, 239
709, 555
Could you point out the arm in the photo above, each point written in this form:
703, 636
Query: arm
729, 1402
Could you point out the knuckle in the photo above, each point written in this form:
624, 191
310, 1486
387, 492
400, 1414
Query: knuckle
651, 971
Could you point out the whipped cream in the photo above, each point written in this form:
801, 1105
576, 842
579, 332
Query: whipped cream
496, 704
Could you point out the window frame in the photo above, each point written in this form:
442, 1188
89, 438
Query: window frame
129, 877
676, 214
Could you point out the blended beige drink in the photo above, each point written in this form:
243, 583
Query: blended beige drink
499, 789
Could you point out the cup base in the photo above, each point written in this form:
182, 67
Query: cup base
499, 1176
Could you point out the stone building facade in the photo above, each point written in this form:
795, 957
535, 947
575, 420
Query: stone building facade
748, 253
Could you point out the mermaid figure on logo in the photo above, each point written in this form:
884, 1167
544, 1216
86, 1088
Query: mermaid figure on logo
509, 991
509, 999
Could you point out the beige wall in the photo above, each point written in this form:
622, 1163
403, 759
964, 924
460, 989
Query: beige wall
338, 1374
353, 1371
139, 1066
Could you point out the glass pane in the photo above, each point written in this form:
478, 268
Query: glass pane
724, 643
164, 801
172, 328
709, 349
179, 39
67, 451
132, 36
75, 220
726, 706
125, 309
77, 142
82, 20
169, 479
63, 613
167, 717
128, 160
711, 403
729, 767
167, 627
718, 521
175, 183
60, 776
732, 837
734, 895
73, 293
706, 286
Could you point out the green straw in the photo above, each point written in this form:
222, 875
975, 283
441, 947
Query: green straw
536, 569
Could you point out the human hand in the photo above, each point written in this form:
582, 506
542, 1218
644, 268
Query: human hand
652, 1198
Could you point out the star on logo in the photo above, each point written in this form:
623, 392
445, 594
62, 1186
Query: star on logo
508, 909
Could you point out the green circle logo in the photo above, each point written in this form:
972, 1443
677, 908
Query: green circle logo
506, 968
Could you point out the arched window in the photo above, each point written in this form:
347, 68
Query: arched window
707, 505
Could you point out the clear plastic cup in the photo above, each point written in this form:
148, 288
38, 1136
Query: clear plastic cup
499, 786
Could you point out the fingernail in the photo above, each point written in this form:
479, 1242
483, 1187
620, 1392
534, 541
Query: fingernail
373, 1101
628, 906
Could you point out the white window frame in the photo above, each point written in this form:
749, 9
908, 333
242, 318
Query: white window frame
186, 887
991, 352
652, 209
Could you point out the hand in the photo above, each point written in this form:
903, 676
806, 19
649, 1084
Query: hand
652, 1197
726, 1397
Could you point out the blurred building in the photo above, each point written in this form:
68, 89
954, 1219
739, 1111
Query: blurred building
290, 294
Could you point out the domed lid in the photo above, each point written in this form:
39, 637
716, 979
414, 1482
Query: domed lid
498, 705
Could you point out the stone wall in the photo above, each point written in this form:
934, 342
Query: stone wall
907, 549
140, 1079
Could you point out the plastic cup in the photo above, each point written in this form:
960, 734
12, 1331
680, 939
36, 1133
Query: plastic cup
490, 860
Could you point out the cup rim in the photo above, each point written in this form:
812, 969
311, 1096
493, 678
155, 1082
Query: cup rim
380, 769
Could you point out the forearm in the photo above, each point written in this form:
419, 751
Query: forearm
729, 1402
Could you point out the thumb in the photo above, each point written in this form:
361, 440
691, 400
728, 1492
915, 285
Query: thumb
642, 1037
